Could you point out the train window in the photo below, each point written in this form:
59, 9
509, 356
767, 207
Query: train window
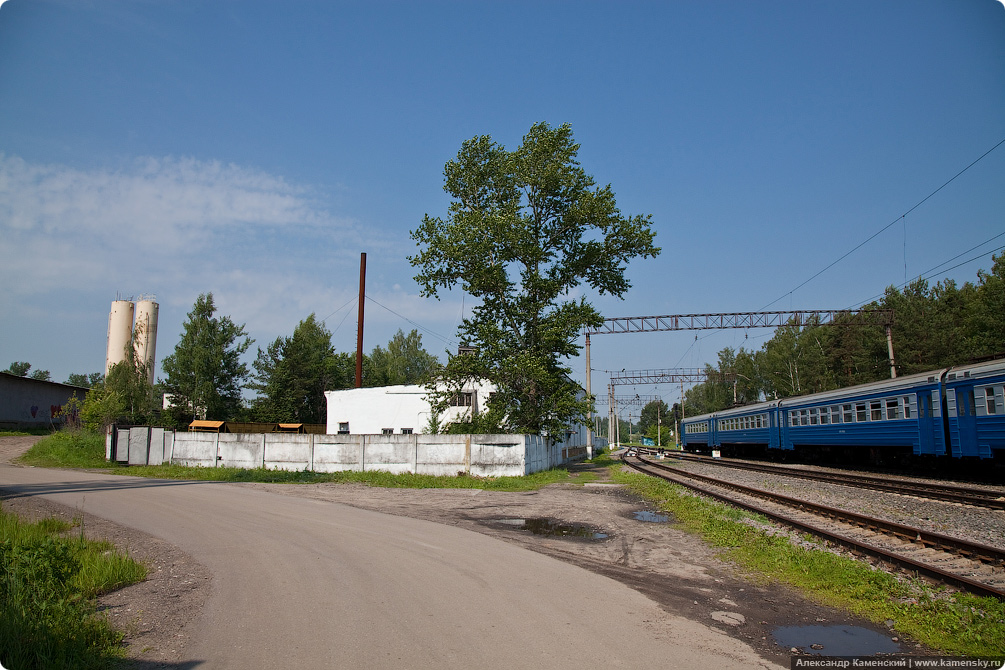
813, 416
892, 409
860, 413
793, 419
804, 418
992, 407
835, 414
973, 403
876, 411
849, 417
825, 415
907, 407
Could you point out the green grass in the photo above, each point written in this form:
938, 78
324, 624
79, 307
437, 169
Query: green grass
952, 623
369, 477
68, 449
48, 582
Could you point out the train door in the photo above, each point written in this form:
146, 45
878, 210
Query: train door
926, 423
966, 420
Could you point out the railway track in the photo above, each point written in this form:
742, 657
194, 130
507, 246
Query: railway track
972, 567
945, 492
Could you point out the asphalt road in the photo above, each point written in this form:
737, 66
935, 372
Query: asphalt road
301, 583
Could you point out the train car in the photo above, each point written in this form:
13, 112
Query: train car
748, 429
888, 421
975, 410
697, 433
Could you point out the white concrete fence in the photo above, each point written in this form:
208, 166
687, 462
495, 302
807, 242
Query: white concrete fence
481, 455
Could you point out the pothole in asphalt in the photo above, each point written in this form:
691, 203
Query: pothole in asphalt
835, 640
553, 528
651, 517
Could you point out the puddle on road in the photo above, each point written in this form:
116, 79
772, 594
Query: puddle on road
835, 640
553, 528
651, 517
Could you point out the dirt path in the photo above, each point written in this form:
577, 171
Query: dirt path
672, 568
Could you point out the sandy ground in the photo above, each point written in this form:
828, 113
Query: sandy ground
674, 569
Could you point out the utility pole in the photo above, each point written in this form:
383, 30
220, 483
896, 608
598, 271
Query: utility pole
359, 321
589, 397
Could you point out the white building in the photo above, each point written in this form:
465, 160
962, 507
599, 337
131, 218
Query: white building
405, 410
396, 410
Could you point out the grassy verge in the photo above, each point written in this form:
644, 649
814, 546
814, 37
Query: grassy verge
48, 583
68, 449
370, 477
953, 623
87, 450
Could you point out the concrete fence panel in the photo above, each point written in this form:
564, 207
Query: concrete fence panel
195, 449
138, 445
156, 452
336, 453
241, 450
288, 452
391, 453
440, 454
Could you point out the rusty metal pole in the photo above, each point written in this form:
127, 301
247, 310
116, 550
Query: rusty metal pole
359, 321
589, 415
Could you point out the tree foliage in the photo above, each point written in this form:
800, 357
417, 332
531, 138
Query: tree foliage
85, 381
205, 373
292, 374
19, 368
934, 327
524, 229
404, 361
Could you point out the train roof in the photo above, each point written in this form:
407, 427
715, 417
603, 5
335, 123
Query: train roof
976, 370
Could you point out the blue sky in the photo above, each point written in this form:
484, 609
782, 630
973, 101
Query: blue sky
254, 149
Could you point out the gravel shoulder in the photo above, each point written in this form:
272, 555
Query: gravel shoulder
674, 569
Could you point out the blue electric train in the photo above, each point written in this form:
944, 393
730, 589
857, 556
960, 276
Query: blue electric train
957, 412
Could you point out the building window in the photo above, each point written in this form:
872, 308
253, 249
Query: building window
387, 431
463, 399
406, 431
343, 428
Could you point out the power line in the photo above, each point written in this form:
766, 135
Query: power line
887, 226
934, 271
421, 327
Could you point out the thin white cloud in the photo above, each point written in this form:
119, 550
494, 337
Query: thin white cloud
156, 214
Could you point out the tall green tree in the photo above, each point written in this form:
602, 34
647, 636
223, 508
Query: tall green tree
654, 413
205, 372
985, 321
404, 361
129, 380
85, 381
292, 374
19, 368
524, 229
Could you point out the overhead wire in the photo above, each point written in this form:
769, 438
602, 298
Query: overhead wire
887, 226
420, 327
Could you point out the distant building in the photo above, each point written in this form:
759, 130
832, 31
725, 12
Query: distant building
32, 403
404, 410
397, 410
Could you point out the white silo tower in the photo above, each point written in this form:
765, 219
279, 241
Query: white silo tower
146, 333
120, 332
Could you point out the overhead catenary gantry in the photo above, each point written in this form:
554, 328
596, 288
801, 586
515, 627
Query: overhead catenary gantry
742, 320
